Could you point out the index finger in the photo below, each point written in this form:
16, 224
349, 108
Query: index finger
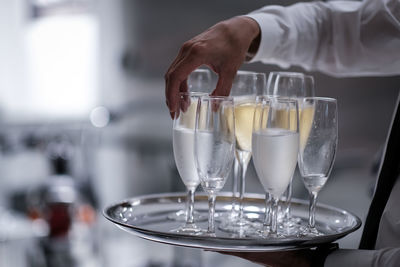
174, 79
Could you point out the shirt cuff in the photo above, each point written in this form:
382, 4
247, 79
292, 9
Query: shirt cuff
271, 34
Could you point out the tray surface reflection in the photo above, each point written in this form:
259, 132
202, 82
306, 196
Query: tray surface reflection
147, 217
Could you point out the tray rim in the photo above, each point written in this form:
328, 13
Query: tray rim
165, 238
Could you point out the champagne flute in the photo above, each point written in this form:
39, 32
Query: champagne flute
269, 90
244, 92
288, 84
183, 144
317, 156
306, 111
309, 86
199, 83
275, 146
293, 85
261, 83
214, 147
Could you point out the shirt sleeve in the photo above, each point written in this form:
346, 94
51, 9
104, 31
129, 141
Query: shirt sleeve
388, 257
340, 38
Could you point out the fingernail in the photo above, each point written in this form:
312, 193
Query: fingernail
172, 114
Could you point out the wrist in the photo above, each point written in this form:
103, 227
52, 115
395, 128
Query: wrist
253, 29
251, 26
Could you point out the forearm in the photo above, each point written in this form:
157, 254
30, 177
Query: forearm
339, 38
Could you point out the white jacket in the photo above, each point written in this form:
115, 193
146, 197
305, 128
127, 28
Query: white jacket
343, 39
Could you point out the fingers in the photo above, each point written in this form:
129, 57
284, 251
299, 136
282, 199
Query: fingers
183, 86
224, 84
222, 47
175, 80
185, 99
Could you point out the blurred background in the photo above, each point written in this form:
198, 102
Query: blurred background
83, 124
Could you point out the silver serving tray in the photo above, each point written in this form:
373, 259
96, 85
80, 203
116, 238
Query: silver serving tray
147, 217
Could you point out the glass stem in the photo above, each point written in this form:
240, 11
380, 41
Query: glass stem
236, 169
288, 200
267, 218
243, 169
274, 219
190, 206
313, 202
211, 212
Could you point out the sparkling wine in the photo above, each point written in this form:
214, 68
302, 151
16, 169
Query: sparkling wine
213, 156
183, 143
314, 183
275, 157
244, 114
213, 184
306, 116
188, 118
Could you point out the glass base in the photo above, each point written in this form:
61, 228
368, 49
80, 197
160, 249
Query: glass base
189, 229
180, 216
192, 229
226, 216
290, 220
266, 233
307, 231
240, 227
290, 227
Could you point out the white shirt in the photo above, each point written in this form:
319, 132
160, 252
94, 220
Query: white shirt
341, 38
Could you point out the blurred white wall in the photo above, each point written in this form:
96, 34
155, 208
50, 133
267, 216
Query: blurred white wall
49, 67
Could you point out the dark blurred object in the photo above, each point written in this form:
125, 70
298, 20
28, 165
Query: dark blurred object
68, 213
70, 219
59, 219
60, 153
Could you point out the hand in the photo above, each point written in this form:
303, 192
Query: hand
299, 258
222, 47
